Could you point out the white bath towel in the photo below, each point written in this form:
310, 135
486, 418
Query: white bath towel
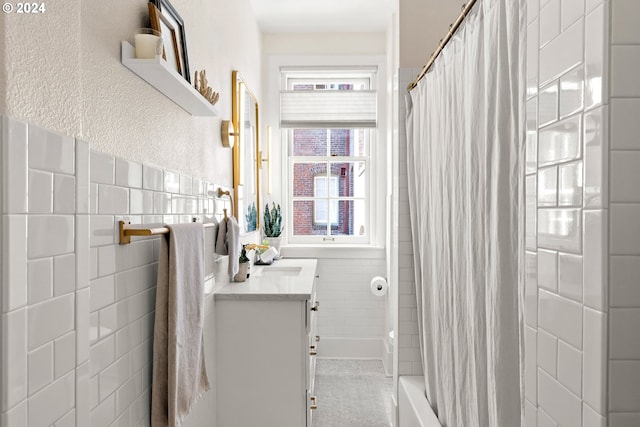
179, 373
233, 244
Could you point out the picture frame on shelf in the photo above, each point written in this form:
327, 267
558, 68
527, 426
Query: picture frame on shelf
170, 52
175, 20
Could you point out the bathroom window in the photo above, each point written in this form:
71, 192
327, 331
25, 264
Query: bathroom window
329, 142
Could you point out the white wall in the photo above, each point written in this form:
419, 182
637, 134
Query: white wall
76, 306
71, 80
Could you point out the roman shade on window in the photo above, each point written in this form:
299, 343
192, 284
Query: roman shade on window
328, 109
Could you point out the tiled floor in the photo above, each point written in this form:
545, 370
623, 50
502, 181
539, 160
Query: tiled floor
352, 393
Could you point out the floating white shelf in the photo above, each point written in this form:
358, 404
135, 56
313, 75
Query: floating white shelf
157, 73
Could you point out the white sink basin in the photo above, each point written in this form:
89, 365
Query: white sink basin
281, 271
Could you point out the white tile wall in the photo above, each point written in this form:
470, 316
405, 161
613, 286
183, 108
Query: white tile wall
73, 322
568, 264
624, 219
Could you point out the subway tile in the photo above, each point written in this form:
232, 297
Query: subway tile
571, 92
94, 263
82, 325
629, 419
596, 58
570, 184
14, 382
560, 142
591, 418
39, 280
625, 229
50, 319
560, 229
624, 27
596, 158
533, 8
106, 260
548, 187
104, 414
40, 192
547, 352
14, 262
624, 385
93, 198
531, 290
131, 282
186, 185
83, 251
102, 355
532, 136
64, 354
15, 169
142, 355
128, 338
102, 292
570, 276
16, 416
161, 203
67, 420
549, 21
571, 11
50, 235
594, 259
561, 317
83, 395
624, 333
562, 53
40, 368
625, 176
152, 178
625, 126
625, 281
64, 274
625, 62
594, 362
548, 104
51, 152
113, 200
171, 182
128, 174
530, 415
102, 168
94, 327
102, 230
128, 393
570, 368
51, 403
548, 269
114, 376
64, 194
108, 321
141, 201
82, 177
545, 420
562, 405
591, 4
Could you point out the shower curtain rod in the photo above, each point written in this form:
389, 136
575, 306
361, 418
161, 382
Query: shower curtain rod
452, 29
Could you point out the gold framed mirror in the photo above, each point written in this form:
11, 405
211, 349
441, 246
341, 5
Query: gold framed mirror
246, 179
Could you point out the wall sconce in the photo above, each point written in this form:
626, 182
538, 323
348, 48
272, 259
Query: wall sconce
267, 159
228, 133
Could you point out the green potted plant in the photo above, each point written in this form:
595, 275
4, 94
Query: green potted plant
273, 225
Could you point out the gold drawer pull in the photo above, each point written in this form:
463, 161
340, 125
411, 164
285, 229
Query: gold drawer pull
313, 351
316, 306
314, 404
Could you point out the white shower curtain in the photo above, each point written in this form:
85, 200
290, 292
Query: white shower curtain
465, 155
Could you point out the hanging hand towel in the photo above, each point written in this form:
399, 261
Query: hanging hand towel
221, 239
179, 372
233, 244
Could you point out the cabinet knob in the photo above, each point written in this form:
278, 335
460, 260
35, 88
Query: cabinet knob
313, 351
316, 306
314, 403
317, 338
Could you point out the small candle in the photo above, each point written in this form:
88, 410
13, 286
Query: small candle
146, 46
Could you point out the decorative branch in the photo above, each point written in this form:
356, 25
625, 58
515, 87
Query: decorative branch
201, 85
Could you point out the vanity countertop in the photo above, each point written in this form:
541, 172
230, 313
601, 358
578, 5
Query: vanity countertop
285, 279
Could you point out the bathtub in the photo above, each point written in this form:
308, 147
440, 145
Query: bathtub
413, 407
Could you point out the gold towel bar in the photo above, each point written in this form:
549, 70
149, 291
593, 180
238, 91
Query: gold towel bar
126, 231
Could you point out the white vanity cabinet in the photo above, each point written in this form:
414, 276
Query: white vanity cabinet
266, 341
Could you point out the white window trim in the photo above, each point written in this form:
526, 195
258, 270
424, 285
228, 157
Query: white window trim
378, 186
